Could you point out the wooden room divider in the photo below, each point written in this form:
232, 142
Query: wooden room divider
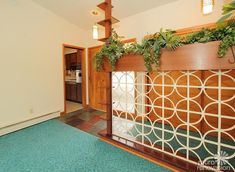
185, 109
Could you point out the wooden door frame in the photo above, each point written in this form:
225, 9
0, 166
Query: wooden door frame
83, 64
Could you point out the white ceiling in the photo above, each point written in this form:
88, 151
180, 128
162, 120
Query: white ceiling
78, 12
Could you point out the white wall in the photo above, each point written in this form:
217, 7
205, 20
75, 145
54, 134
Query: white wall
31, 39
176, 15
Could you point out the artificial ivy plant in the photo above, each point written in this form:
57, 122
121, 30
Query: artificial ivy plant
228, 12
151, 45
113, 50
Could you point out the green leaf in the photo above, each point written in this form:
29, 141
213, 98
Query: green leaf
222, 19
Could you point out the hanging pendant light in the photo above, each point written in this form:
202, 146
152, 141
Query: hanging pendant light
207, 6
95, 31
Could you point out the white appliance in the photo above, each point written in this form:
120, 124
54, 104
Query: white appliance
78, 76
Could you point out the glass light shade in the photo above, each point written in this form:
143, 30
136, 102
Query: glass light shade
95, 31
207, 6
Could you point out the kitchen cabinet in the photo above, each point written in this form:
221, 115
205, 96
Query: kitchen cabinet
79, 57
79, 92
68, 91
73, 92
67, 61
72, 60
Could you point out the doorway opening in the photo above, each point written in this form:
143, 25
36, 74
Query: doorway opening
74, 79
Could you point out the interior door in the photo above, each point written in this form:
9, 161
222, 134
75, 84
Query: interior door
97, 83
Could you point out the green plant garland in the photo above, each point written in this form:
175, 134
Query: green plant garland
113, 50
228, 12
151, 46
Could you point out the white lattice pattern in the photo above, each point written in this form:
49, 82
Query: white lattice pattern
187, 114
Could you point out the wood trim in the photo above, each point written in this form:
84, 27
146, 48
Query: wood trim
197, 28
189, 30
140, 154
73, 46
97, 46
83, 62
84, 78
63, 67
154, 156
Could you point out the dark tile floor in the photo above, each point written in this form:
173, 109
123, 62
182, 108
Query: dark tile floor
90, 120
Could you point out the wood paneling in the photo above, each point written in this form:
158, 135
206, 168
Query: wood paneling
126, 64
196, 56
97, 83
203, 100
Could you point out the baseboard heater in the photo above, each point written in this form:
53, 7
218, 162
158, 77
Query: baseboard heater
27, 123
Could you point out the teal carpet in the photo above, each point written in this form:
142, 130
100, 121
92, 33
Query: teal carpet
56, 147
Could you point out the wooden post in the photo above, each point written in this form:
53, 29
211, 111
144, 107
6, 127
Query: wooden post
108, 18
108, 33
107, 23
109, 104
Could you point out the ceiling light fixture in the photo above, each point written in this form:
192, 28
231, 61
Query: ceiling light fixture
95, 31
207, 6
